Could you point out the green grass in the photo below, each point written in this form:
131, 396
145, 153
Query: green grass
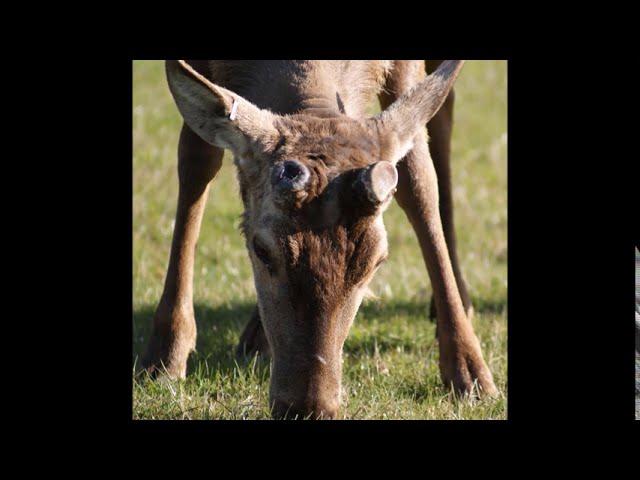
391, 356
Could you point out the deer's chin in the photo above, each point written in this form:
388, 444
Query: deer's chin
313, 410
306, 389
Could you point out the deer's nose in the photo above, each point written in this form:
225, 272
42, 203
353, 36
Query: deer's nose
290, 175
312, 410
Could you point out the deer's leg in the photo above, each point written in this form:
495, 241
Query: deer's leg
461, 361
253, 339
174, 326
440, 128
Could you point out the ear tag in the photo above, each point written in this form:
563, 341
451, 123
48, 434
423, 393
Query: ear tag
234, 110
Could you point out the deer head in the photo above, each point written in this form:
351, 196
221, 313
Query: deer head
314, 191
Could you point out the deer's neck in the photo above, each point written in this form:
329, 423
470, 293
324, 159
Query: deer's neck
317, 88
322, 106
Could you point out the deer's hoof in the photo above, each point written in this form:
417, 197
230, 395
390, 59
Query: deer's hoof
464, 369
253, 340
157, 367
166, 357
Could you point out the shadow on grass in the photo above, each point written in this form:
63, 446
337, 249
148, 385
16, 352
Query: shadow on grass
219, 330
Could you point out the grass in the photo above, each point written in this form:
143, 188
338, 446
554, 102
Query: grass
391, 356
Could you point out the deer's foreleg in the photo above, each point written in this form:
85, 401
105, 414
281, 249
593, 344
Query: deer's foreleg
174, 327
461, 361
440, 129
253, 339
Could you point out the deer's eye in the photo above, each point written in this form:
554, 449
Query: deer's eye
262, 253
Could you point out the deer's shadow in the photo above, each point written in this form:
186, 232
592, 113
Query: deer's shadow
219, 328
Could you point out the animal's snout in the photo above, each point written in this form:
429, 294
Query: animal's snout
310, 409
306, 386
290, 175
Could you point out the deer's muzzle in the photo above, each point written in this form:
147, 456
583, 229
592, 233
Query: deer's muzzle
310, 390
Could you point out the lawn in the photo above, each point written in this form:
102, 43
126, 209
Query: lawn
391, 355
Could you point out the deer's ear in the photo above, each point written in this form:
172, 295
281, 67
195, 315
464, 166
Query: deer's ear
375, 185
219, 116
398, 124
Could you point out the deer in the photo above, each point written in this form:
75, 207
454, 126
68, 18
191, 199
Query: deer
315, 175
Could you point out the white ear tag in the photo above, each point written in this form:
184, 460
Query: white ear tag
234, 110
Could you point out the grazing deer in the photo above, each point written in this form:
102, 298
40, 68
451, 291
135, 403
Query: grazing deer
315, 177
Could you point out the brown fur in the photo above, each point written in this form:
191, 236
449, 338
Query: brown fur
313, 248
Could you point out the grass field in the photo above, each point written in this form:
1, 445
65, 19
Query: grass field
391, 356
